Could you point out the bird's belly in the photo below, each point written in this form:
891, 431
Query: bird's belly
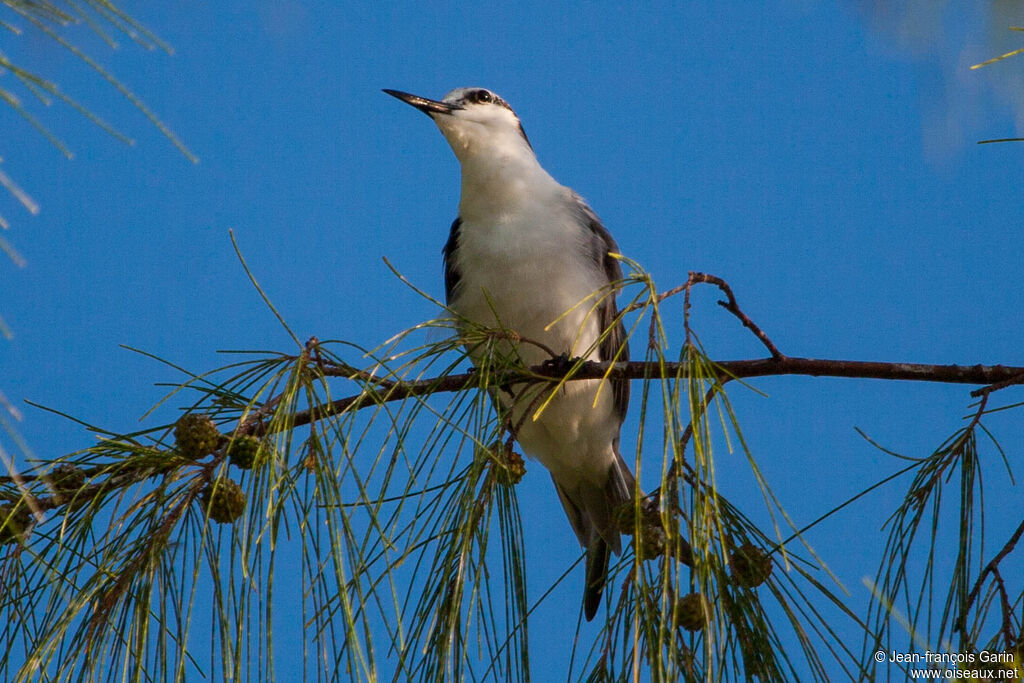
547, 298
572, 434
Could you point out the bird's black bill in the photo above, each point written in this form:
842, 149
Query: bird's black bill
423, 104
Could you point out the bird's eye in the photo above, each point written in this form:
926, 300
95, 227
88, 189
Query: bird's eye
482, 96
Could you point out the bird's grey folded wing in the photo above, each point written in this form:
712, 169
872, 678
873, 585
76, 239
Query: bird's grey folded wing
451, 273
614, 345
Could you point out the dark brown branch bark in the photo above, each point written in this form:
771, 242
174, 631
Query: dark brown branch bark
739, 369
994, 376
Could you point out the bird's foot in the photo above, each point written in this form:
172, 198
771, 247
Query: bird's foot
558, 365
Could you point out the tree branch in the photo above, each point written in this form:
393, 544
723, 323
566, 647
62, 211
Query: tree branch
994, 376
993, 568
737, 369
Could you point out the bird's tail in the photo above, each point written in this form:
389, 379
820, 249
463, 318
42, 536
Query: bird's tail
592, 514
598, 555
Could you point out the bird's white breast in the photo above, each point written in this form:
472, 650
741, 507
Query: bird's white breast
530, 266
530, 269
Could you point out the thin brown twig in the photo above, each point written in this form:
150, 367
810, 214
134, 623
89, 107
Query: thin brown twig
991, 567
731, 306
513, 429
1004, 603
688, 333
694, 278
956, 449
977, 415
688, 432
1012, 381
158, 538
257, 416
673, 471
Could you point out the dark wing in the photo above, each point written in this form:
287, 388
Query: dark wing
451, 273
602, 243
619, 484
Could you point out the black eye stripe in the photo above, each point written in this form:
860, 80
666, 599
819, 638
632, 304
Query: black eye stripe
482, 96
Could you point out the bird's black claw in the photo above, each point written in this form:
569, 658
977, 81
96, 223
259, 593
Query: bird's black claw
558, 365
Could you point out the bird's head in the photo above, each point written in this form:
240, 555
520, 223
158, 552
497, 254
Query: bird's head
474, 121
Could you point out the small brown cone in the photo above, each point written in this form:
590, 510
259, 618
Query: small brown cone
196, 435
243, 451
516, 467
690, 612
224, 501
13, 523
751, 565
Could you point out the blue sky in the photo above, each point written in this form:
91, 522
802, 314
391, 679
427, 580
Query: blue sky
821, 159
